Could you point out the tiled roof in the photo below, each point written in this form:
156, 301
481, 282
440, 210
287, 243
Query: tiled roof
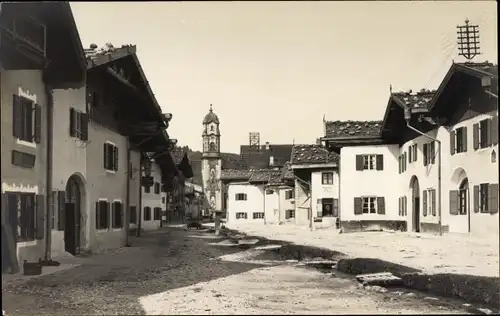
258, 157
286, 172
270, 176
409, 99
260, 176
275, 177
345, 129
235, 174
312, 154
486, 67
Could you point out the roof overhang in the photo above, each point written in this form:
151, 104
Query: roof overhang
314, 166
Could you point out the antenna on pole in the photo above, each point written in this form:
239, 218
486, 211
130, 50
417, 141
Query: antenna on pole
468, 40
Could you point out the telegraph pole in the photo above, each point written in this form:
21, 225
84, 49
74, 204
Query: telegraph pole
468, 40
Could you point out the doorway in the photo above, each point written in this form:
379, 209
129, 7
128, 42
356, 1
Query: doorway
72, 216
464, 201
415, 189
327, 207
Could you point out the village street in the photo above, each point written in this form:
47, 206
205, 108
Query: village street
172, 271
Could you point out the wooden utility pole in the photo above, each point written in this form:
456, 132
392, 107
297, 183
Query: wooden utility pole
468, 40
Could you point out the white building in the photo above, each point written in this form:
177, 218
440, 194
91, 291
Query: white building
390, 173
316, 185
153, 200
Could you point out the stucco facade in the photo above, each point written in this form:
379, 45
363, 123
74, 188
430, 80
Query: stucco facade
152, 200
325, 198
245, 201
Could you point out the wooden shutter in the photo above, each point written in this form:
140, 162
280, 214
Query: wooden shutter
494, 130
433, 202
84, 125
381, 205
97, 215
405, 162
61, 215
358, 206
493, 198
380, 162
108, 209
115, 158
105, 155
336, 207
399, 164
475, 136
488, 133
17, 116
40, 217
454, 206
72, 122
424, 202
38, 124
410, 154
464, 138
433, 152
453, 135
359, 162
405, 206
113, 215
400, 203
476, 198
415, 152
426, 158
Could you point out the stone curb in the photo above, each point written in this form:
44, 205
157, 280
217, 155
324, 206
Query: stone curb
469, 288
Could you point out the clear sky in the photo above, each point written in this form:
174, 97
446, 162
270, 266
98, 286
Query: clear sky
278, 67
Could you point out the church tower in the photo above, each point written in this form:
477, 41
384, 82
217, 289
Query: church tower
211, 163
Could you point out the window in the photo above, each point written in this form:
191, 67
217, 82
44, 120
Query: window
147, 189
413, 150
157, 214
147, 213
102, 215
458, 140
241, 215
133, 215
110, 157
26, 230
157, 188
26, 120
429, 153
463, 195
326, 207
289, 194
429, 202
403, 211
483, 198
327, 178
213, 147
117, 214
369, 162
402, 163
258, 215
483, 133
24, 160
289, 214
78, 124
241, 197
369, 205
163, 200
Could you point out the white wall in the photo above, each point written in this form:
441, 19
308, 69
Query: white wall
152, 200
320, 191
286, 204
254, 202
272, 206
378, 183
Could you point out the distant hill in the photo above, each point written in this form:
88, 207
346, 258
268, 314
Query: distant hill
229, 161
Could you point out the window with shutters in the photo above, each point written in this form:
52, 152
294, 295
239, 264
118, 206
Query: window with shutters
429, 153
78, 124
327, 178
26, 120
157, 214
430, 203
289, 214
258, 215
133, 214
157, 188
147, 213
289, 194
369, 204
402, 163
102, 215
241, 215
402, 206
110, 157
27, 216
117, 214
483, 198
240, 196
147, 189
460, 139
369, 162
484, 133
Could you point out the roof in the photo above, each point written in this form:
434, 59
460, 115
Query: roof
257, 157
346, 129
412, 100
485, 68
268, 176
235, 174
312, 154
211, 117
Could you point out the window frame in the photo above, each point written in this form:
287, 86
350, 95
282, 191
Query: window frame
369, 209
369, 161
257, 215
290, 213
147, 213
157, 211
483, 133
26, 208
240, 197
100, 216
459, 137
112, 157
241, 215
114, 214
483, 198
27, 120
327, 178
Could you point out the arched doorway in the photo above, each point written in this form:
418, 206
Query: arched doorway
72, 216
464, 200
415, 204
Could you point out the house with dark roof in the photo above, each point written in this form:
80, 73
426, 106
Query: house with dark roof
431, 164
316, 185
258, 195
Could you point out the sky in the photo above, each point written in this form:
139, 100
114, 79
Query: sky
278, 68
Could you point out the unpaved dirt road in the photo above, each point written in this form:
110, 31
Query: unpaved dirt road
174, 272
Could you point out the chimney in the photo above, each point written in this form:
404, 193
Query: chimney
267, 145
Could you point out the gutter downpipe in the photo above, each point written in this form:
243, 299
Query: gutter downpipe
126, 218
48, 200
407, 118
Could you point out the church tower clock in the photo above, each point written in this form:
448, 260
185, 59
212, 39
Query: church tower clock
211, 164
